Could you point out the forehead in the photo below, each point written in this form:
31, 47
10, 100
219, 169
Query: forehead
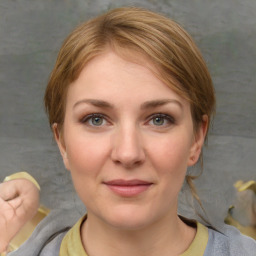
129, 79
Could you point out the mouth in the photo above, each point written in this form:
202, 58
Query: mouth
128, 188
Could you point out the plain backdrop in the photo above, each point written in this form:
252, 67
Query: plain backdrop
31, 32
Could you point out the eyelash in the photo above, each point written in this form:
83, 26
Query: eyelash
87, 118
165, 117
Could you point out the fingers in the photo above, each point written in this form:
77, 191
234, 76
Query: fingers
2, 203
8, 192
3, 239
15, 203
3, 246
19, 200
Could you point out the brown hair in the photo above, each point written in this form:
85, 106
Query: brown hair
169, 47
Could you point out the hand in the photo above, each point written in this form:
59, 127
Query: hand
245, 208
245, 205
19, 201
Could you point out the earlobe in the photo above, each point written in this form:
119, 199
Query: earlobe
61, 144
198, 142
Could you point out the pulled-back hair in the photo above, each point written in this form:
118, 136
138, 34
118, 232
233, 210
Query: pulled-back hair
169, 47
178, 62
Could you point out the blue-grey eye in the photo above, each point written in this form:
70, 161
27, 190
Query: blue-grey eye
96, 120
159, 120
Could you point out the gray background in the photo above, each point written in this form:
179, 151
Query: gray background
31, 32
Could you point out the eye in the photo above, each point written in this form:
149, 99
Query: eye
97, 120
161, 120
94, 120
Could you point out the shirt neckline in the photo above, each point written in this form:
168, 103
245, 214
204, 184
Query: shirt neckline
72, 242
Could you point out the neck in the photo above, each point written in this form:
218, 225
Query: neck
168, 237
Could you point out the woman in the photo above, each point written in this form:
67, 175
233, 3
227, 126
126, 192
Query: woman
130, 101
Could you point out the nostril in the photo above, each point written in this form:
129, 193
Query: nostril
128, 158
128, 161
127, 147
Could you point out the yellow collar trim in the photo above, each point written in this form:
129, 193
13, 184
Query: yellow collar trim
199, 243
72, 244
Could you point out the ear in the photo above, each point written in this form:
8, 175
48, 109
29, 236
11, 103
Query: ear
61, 144
198, 142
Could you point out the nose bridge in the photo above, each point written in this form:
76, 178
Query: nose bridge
127, 145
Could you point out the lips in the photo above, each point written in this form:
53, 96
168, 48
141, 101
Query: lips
128, 188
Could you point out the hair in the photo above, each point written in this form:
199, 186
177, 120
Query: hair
179, 63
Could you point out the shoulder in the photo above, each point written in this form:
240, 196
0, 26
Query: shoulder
229, 242
47, 237
53, 246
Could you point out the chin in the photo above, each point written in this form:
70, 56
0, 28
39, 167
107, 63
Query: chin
129, 224
129, 219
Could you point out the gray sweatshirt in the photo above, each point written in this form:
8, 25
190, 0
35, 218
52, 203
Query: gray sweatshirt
47, 237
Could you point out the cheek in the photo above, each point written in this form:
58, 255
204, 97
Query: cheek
86, 154
171, 153
169, 158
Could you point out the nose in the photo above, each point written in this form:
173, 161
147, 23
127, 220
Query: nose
127, 148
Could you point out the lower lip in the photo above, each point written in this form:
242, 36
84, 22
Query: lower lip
128, 191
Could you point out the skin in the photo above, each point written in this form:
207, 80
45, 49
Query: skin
135, 139
19, 201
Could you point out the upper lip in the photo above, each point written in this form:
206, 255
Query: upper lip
121, 182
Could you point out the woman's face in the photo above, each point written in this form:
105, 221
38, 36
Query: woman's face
127, 139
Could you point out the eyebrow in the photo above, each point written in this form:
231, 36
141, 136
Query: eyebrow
96, 103
159, 103
145, 105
